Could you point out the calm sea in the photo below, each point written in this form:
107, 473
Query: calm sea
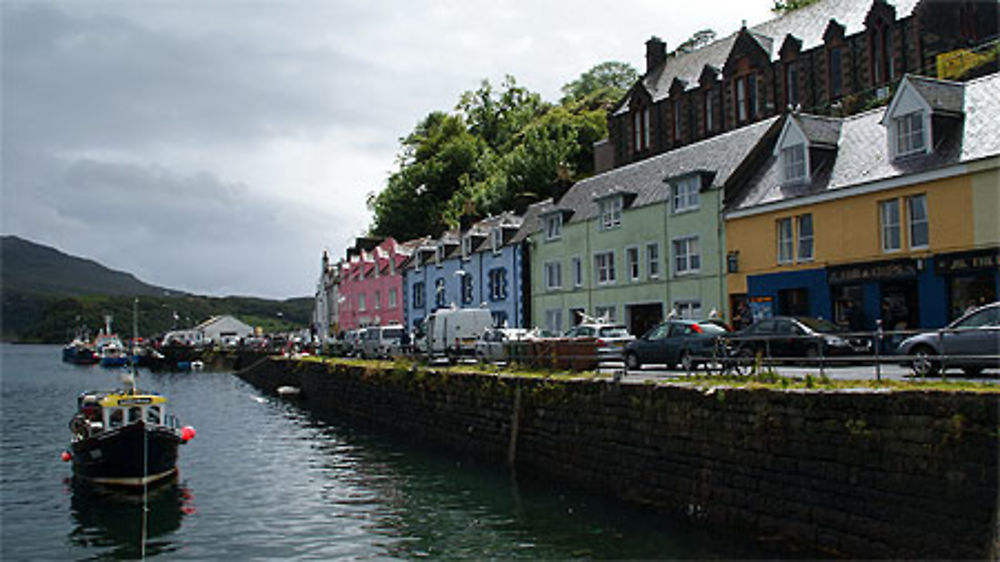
265, 480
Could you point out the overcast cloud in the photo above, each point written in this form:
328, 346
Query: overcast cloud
219, 147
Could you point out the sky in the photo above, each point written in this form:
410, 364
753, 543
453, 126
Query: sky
220, 146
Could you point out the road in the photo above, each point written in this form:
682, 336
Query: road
852, 372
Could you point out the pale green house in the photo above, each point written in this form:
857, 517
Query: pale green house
635, 242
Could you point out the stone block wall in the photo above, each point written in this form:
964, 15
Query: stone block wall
861, 474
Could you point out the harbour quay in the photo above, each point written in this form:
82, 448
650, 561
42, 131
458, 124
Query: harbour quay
853, 473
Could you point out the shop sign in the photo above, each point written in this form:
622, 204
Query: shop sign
967, 261
875, 271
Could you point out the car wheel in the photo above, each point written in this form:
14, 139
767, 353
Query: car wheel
923, 363
632, 361
745, 361
687, 363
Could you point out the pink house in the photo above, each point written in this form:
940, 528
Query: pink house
371, 285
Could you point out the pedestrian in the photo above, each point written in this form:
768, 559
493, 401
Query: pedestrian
855, 317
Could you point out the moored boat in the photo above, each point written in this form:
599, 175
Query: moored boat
79, 352
125, 438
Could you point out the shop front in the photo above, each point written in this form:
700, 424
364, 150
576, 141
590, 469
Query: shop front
972, 278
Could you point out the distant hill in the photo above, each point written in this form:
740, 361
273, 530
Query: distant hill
33, 268
47, 294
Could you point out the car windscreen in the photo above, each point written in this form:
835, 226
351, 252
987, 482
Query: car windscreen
820, 325
392, 333
613, 332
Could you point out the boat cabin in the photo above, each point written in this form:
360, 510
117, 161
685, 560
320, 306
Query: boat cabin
97, 412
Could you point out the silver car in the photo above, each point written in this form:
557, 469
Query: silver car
972, 342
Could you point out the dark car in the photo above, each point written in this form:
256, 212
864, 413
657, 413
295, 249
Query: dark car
675, 342
797, 338
971, 342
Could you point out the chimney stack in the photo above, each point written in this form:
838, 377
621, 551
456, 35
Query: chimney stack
656, 53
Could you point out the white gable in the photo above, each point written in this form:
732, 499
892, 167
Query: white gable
906, 101
791, 135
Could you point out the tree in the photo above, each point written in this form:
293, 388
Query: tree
782, 8
696, 41
606, 81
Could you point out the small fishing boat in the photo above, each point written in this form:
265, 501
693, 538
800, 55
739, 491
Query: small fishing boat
125, 438
79, 352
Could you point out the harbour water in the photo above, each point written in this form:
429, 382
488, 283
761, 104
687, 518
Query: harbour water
266, 480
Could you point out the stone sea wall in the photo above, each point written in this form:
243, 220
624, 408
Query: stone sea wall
860, 474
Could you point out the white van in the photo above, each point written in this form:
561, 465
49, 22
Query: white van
452, 332
382, 341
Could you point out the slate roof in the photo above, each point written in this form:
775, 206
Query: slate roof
862, 154
943, 96
821, 131
718, 157
806, 24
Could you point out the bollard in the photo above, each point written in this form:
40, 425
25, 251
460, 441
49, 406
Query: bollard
878, 350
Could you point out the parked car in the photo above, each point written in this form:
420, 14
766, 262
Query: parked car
675, 342
796, 338
971, 342
493, 344
381, 341
610, 338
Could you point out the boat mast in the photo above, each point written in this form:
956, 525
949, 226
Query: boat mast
135, 332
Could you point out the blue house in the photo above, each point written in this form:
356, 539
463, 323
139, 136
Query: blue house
481, 266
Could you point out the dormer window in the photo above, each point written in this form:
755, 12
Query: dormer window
610, 211
909, 134
553, 226
793, 159
792, 150
496, 239
466, 247
640, 127
684, 194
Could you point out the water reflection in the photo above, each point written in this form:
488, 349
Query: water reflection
111, 521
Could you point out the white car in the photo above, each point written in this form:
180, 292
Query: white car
493, 344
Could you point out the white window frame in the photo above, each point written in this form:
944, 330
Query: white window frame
610, 211
890, 225
805, 240
604, 268
633, 265
610, 310
689, 309
685, 194
553, 226
466, 246
794, 167
686, 251
553, 275
439, 255
785, 237
909, 134
393, 299
553, 320
913, 223
576, 264
496, 240
653, 260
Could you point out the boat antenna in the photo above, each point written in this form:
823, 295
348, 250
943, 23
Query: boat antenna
135, 334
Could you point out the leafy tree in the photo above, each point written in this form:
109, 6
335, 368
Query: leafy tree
783, 7
604, 82
696, 41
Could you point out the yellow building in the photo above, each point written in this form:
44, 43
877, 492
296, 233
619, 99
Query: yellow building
895, 210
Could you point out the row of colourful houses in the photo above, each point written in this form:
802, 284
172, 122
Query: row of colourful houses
894, 210
745, 208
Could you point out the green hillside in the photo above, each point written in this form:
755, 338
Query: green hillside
47, 294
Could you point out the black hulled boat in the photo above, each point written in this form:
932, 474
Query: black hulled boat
125, 438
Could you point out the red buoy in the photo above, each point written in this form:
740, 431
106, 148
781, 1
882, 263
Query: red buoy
187, 433
65, 456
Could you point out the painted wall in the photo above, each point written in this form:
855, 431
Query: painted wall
640, 226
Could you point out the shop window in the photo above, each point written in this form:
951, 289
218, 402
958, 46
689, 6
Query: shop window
607, 313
